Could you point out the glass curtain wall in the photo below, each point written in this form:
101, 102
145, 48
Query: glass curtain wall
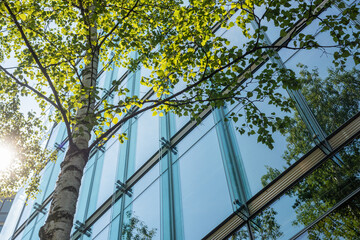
213, 171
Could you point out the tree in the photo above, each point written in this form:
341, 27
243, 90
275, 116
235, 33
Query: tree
264, 227
331, 183
136, 229
22, 134
59, 45
319, 191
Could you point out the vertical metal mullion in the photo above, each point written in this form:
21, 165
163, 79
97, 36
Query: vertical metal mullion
171, 217
132, 140
231, 157
122, 206
59, 137
33, 228
170, 182
91, 185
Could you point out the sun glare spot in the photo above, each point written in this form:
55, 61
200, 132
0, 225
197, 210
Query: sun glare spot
6, 156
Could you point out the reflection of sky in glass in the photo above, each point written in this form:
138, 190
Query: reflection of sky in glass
107, 184
326, 190
146, 208
256, 156
205, 197
147, 141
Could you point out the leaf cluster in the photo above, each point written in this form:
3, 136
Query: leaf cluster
24, 136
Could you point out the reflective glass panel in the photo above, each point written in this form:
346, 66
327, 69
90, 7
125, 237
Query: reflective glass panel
342, 223
205, 195
147, 138
108, 174
312, 197
142, 217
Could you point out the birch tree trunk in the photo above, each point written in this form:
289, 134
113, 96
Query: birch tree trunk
63, 206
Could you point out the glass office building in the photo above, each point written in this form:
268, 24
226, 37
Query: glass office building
5, 205
175, 178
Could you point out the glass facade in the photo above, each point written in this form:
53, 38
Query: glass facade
153, 187
5, 205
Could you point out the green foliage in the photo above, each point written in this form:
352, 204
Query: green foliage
268, 227
23, 134
264, 227
135, 229
333, 100
62, 45
175, 41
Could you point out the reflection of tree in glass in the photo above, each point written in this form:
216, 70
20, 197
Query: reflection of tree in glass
333, 100
266, 227
135, 229
340, 227
242, 234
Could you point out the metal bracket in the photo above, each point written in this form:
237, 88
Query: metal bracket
100, 148
244, 216
39, 208
60, 146
109, 93
326, 149
82, 229
122, 187
240, 209
165, 143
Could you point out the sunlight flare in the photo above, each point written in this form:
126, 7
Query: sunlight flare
7, 155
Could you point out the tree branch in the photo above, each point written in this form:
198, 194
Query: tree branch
42, 69
117, 24
293, 32
28, 87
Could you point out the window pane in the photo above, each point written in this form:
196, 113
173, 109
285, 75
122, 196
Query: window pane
142, 217
147, 138
108, 173
258, 158
312, 197
348, 229
205, 195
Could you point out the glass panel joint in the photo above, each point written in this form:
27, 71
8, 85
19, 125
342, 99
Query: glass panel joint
39, 208
122, 187
165, 143
79, 226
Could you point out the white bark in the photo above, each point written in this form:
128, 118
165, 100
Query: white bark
63, 206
